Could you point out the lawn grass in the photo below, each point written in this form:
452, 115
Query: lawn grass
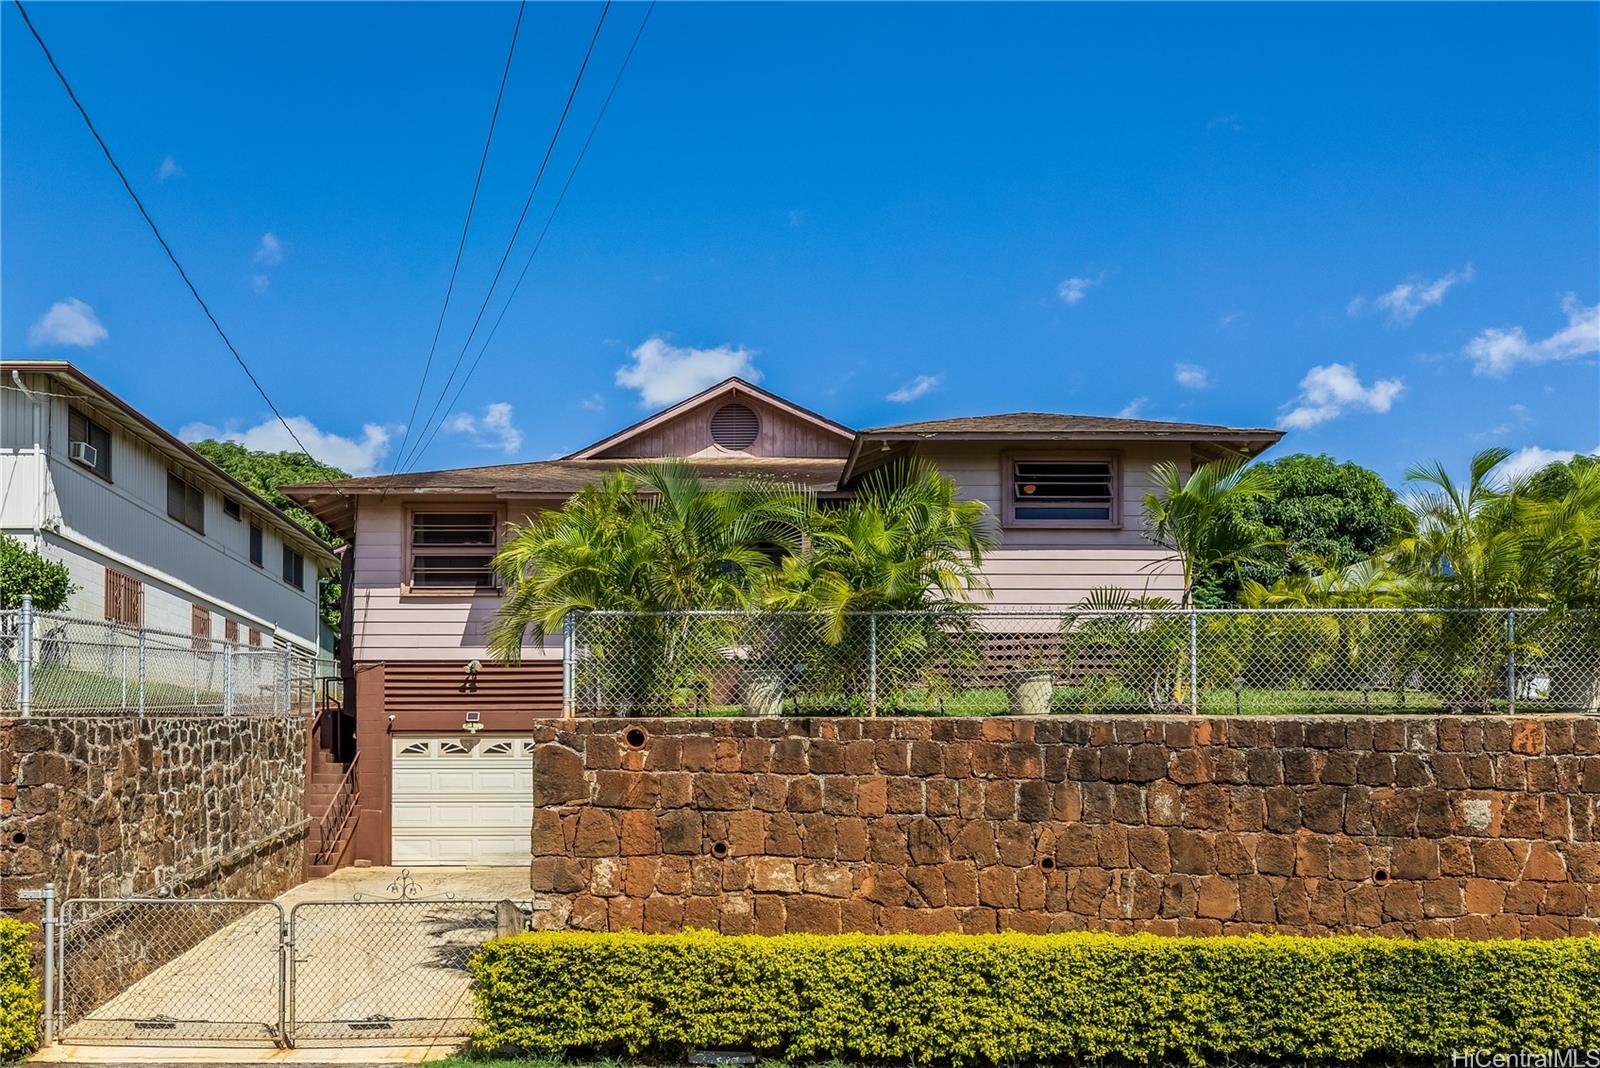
69, 688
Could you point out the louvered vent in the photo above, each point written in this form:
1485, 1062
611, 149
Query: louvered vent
734, 427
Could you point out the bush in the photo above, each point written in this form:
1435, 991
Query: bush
1016, 998
19, 993
23, 570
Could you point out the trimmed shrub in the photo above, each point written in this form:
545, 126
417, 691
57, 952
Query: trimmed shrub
19, 993
1014, 998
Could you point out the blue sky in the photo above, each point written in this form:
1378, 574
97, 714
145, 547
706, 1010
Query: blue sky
1375, 225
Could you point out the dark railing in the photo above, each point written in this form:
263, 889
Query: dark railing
336, 817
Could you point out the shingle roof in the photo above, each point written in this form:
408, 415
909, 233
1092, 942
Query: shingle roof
569, 476
1048, 423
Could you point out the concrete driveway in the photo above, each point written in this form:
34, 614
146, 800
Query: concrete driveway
379, 956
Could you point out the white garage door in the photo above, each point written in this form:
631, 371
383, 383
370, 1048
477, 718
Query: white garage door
461, 799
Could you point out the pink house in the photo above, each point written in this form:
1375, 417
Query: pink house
1065, 492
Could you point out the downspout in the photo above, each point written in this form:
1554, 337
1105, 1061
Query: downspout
38, 461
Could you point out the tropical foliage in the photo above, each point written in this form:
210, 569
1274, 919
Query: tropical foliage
23, 571
266, 473
1198, 518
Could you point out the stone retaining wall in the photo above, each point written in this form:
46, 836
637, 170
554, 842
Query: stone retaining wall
1402, 825
108, 806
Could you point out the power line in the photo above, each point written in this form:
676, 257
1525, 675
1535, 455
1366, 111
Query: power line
461, 245
526, 204
552, 217
154, 229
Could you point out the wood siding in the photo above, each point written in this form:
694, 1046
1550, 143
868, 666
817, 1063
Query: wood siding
1057, 567
390, 624
689, 434
446, 686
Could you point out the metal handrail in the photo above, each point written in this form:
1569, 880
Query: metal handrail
337, 814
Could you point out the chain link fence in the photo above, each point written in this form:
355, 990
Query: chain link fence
58, 663
965, 661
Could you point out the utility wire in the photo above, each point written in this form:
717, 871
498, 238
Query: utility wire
552, 217
461, 245
526, 204
154, 229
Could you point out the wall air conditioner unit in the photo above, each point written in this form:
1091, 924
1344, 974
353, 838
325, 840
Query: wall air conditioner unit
81, 452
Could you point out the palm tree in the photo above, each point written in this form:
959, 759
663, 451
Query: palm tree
651, 538
1193, 517
904, 542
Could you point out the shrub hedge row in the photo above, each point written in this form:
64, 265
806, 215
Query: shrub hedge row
1014, 998
19, 993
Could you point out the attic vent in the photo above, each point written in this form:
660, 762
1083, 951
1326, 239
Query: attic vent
734, 427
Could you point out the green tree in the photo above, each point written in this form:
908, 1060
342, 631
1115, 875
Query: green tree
652, 538
1556, 480
904, 540
265, 473
24, 572
1198, 518
1321, 518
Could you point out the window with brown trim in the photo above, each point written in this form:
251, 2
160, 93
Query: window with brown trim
1060, 490
186, 502
124, 599
232, 509
230, 631
83, 431
255, 638
200, 626
454, 550
257, 539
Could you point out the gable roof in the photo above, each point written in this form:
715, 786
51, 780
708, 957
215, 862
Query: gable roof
1046, 423
136, 421
727, 387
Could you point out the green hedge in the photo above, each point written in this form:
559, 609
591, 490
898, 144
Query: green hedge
19, 993
1031, 998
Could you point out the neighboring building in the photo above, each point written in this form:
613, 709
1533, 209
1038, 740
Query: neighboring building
154, 534
1065, 491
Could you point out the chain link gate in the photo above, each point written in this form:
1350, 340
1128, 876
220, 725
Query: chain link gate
185, 971
391, 971
171, 970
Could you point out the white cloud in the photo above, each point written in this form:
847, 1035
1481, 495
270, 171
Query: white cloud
1072, 290
920, 386
1132, 409
1496, 351
494, 429
1191, 375
1226, 122
1327, 391
169, 169
357, 457
1229, 319
269, 251
1412, 297
664, 373
68, 322
260, 282
594, 402
1527, 460
797, 219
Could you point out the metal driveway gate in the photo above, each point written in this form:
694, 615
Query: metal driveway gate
390, 970
185, 971
171, 970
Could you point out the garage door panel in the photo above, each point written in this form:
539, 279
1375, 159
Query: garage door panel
461, 800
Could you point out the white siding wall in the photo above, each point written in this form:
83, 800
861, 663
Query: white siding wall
1059, 567
392, 625
124, 524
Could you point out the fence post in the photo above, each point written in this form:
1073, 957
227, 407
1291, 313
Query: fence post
48, 896
1511, 660
288, 699
144, 656
872, 664
569, 693
122, 670
1194, 663
227, 678
25, 656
